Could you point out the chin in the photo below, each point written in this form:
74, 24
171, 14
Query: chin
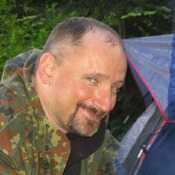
86, 128
85, 131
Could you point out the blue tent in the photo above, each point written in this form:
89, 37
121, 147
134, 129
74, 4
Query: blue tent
148, 148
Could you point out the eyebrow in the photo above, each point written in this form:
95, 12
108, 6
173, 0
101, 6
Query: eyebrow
99, 75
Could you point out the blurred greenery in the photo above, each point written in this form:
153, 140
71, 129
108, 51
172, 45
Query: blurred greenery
25, 24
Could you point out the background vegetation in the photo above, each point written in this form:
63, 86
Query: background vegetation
25, 24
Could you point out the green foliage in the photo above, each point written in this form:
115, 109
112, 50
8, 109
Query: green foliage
26, 24
20, 34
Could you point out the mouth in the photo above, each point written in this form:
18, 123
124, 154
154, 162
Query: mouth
91, 113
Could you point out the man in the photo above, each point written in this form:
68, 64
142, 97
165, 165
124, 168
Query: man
54, 103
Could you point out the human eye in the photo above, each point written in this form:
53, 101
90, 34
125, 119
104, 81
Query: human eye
92, 80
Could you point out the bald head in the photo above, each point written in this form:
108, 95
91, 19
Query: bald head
70, 34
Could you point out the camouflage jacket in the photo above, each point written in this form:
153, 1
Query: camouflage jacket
29, 144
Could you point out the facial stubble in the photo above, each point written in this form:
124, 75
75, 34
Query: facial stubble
87, 127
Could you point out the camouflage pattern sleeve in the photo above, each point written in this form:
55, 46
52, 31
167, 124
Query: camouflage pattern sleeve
109, 152
7, 136
102, 162
29, 144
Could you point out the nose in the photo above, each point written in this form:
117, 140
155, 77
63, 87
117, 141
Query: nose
105, 101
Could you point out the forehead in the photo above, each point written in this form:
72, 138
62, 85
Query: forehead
98, 42
97, 53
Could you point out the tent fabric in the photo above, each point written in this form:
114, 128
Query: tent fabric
135, 138
171, 88
148, 148
153, 59
160, 159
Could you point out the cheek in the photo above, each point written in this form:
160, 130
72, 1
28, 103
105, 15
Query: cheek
63, 85
63, 93
84, 92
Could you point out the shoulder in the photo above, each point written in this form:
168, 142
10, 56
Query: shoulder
10, 123
110, 143
103, 160
7, 99
108, 152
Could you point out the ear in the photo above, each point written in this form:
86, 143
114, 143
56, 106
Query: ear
46, 67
